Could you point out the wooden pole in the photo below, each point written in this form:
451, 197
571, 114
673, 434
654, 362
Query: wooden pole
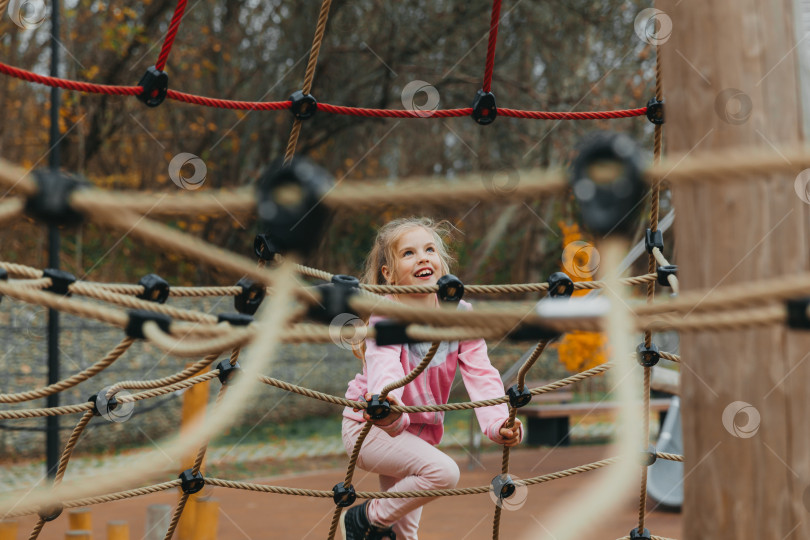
78, 535
195, 400
8, 530
158, 518
729, 76
117, 530
207, 513
80, 519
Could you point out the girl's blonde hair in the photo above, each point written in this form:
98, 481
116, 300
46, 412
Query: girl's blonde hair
383, 253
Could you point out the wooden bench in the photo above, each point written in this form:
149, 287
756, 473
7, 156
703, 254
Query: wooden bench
550, 424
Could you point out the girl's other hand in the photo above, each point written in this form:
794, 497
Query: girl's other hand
388, 420
511, 435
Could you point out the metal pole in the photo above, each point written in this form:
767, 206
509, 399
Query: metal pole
52, 422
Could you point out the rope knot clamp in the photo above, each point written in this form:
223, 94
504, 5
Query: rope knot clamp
648, 457
655, 111
139, 317
653, 239
303, 105
608, 183
155, 288
344, 496
665, 271
377, 409
3, 277
94, 400
342, 280
451, 289
226, 370
647, 356
249, 300
503, 486
518, 398
290, 204
643, 535
334, 300
264, 248
50, 513
191, 483
390, 332
60, 281
484, 110
155, 84
560, 285
51, 202
235, 319
797, 313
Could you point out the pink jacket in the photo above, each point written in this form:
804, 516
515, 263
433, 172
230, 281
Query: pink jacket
387, 364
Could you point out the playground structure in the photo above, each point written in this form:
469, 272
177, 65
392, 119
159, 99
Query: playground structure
725, 309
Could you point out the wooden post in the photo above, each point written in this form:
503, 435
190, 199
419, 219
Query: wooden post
79, 519
117, 530
207, 514
729, 78
8, 530
195, 400
158, 518
78, 535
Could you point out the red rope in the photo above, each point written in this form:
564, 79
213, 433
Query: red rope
325, 107
493, 38
171, 34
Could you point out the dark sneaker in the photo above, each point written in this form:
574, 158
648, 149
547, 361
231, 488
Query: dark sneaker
354, 525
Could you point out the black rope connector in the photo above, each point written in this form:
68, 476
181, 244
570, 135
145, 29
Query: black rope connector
50, 513
648, 456
60, 281
3, 277
797, 313
389, 332
342, 280
264, 248
155, 288
532, 332
343, 496
291, 209
484, 110
653, 239
334, 301
226, 370
155, 84
303, 105
249, 300
643, 535
50, 204
451, 289
94, 400
647, 356
664, 271
503, 486
377, 409
560, 285
139, 317
235, 319
518, 398
655, 111
191, 483
608, 183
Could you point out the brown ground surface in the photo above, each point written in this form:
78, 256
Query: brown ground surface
246, 515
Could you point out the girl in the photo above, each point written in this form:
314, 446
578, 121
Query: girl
401, 447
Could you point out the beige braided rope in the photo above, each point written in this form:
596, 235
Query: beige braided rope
724, 320
48, 411
21, 271
40, 283
100, 293
171, 379
199, 292
670, 457
73, 380
178, 511
155, 392
208, 202
71, 444
670, 356
37, 529
235, 337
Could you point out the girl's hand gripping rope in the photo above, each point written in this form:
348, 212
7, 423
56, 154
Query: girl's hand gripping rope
388, 420
511, 436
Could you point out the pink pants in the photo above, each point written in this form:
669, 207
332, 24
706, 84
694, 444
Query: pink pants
404, 463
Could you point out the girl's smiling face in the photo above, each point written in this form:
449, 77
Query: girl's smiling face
416, 257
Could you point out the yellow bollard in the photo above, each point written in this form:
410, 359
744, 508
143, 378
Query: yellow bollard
117, 530
8, 530
195, 400
207, 514
79, 520
78, 535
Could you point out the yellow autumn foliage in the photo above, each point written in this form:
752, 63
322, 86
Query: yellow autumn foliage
579, 351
